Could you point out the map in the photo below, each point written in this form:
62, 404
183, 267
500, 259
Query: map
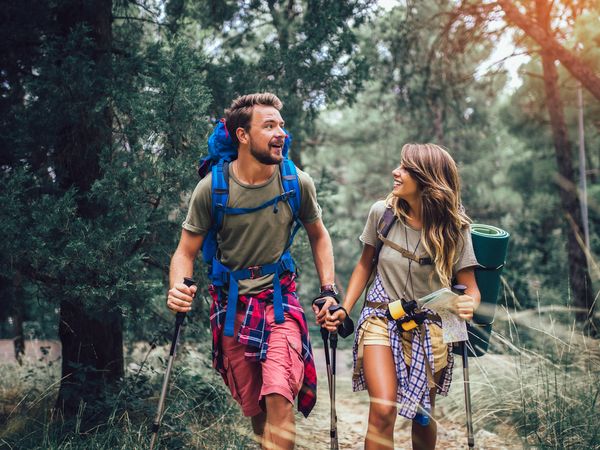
454, 328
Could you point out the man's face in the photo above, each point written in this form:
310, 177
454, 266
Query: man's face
266, 136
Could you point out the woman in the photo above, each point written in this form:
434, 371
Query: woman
427, 248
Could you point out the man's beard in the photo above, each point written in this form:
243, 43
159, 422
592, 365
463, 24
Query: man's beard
265, 156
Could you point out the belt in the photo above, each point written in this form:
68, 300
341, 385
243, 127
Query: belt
377, 305
384, 306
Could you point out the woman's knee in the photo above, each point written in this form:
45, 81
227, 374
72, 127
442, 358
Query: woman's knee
382, 414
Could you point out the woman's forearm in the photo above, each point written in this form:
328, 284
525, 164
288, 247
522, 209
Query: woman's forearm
360, 277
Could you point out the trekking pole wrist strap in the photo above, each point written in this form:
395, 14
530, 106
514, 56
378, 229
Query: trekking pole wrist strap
345, 312
327, 293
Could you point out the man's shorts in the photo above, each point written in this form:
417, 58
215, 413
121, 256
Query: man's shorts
281, 373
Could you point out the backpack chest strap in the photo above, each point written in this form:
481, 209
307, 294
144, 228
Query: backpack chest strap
423, 261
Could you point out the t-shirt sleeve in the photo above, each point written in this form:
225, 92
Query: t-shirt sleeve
369, 234
310, 210
198, 219
466, 257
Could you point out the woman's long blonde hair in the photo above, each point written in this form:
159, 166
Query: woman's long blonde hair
443, 216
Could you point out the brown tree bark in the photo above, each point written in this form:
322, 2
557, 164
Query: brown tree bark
18, 313
578, 274
92, 340
551, 47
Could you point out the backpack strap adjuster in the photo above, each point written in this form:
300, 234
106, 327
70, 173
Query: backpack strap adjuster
255, 272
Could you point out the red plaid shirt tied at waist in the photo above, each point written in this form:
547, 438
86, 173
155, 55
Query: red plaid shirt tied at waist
254, 333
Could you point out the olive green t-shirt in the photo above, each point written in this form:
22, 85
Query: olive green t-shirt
255, 238
394, 268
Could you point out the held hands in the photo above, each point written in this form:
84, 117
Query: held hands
333, 321
179, 298
321, 314
463, 306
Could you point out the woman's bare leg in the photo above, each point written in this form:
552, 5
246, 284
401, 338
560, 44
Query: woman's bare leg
380, 376
425, 438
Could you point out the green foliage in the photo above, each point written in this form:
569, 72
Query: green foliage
537, 247
426, 67
111, 259
96, 224
306, 52
199, 412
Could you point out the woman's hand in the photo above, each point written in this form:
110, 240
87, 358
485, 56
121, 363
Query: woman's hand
333, 321
463, 306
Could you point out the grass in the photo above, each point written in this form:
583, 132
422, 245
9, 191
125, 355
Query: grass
538, 385
542, 380
199, 413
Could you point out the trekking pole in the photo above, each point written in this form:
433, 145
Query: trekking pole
163, 394
460, 289
327, 338
333, 339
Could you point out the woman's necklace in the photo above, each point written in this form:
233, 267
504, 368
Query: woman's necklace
409, 275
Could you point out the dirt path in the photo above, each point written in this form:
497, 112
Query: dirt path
352, 410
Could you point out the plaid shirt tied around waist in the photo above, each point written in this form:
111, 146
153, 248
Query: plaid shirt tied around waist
413, 390
254, 333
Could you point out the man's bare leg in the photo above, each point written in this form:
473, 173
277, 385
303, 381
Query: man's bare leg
280, 429
258, 426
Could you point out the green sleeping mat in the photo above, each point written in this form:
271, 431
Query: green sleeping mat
490, 245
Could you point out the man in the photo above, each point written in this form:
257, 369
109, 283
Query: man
267, 362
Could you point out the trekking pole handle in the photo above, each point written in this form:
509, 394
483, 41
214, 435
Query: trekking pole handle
189, 282
179, 317
319, 302
460, 289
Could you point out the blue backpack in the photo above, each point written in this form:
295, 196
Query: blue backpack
221, 152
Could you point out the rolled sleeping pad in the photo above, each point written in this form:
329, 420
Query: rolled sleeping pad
490, 245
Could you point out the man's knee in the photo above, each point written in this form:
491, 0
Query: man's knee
277, 402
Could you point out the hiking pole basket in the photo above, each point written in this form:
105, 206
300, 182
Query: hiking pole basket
163, 393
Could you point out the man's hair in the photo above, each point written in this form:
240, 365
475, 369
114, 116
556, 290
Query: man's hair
239, 113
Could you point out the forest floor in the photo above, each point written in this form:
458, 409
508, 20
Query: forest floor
352, 411
312, 433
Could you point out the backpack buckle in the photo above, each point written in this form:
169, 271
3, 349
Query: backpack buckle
255, 272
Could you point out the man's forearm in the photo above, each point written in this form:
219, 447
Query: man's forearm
181, 266
322, 250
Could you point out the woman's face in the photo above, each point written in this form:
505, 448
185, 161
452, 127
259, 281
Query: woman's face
405, 186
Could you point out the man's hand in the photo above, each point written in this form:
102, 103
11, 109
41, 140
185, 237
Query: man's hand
464, 306
179, 298
321, 314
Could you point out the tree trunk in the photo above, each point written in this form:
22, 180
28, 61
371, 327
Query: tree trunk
92, 339
579, 278
18, 313
92, 356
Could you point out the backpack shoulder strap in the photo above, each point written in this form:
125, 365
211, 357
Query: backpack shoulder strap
291, 185
219, 192
383, 228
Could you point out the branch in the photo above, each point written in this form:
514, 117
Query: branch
141, 19
572, 63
